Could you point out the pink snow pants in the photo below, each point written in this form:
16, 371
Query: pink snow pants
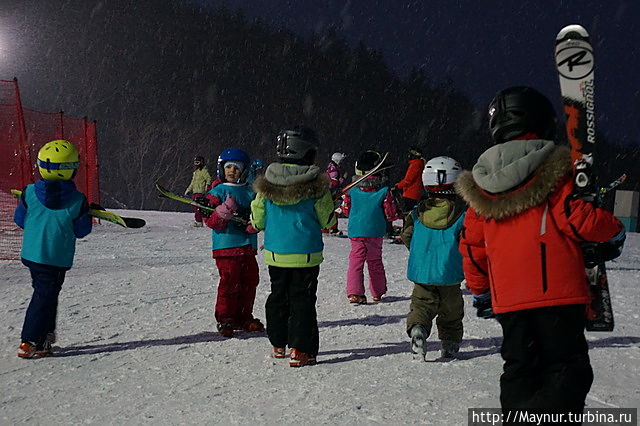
367, 250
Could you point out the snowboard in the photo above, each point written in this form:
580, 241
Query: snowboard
165, 193
575, 65
125, 222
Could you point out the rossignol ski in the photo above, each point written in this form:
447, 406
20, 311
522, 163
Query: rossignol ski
575, 65
125, 222
165, 193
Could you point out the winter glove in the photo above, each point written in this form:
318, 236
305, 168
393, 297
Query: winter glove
482, 303
595, 253
251, 230
614, 245
227, 209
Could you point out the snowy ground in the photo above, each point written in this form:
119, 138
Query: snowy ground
137, 344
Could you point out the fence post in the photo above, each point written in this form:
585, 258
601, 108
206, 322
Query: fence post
25, 166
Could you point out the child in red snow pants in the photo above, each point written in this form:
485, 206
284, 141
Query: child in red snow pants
237, 288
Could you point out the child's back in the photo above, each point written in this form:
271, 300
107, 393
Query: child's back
292, 206
53, 214
369, 206
431, 232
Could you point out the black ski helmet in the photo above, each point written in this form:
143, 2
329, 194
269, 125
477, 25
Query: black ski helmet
519, 110
297, 145
415, 152
367, 161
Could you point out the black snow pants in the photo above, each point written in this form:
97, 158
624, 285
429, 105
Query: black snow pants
546, 360
291, 308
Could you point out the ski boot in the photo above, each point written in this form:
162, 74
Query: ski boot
359, 300
279, 353
225, 329
419, 341
253, 325
301, 359
449, 349
28, 350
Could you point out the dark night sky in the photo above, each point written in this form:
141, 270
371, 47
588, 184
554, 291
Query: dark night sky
484, 46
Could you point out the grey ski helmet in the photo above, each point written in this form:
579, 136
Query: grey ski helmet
519, 110
297, 145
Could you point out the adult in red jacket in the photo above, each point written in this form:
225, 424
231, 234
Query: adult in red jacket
411, 185
521, 254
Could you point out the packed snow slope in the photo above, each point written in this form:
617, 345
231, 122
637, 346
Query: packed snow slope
137, 344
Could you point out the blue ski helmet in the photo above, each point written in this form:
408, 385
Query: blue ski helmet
233, 154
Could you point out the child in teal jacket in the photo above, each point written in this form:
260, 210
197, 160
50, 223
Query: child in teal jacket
292, 206
53, 214
431, 232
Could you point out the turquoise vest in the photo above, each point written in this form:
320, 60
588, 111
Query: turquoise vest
433, 255
233, 235
292, 228
48, 234
366, 216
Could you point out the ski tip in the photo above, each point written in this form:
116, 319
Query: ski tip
572, 32
134, 222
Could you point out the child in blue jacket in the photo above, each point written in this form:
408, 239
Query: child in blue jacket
53, 214
233, 247
431, 232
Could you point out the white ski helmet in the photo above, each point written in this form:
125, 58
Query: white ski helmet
440, 173
337, 157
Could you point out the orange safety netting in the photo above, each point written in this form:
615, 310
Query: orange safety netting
23, 132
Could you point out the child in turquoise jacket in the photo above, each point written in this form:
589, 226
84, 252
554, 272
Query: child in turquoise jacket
53, 214
431, 232
292, 206
233, 247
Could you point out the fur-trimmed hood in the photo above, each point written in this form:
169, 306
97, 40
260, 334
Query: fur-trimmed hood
525, 172
290, 183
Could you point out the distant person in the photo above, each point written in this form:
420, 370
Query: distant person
335, 173
200, 181
522, 257
292, 206
369, 206
432, 233
336, 181
234, 248
53, 214
411, 184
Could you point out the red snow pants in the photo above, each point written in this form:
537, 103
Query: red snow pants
237, 288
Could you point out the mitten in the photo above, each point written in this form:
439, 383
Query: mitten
482, 303
227, 209
251, 230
